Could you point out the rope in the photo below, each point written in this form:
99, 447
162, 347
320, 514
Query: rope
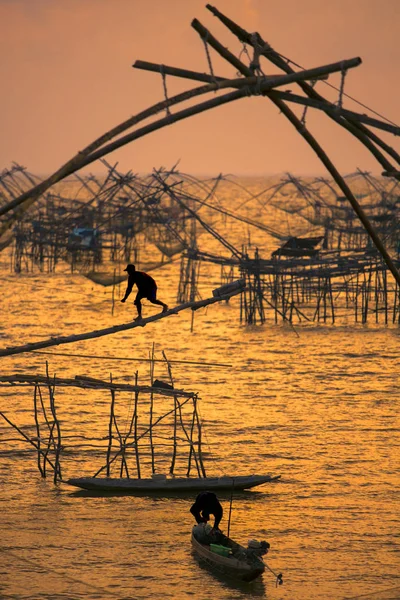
340, 100
124, 358
67, 577
288, 61
246, 52
209, 57
303, 117
168, 112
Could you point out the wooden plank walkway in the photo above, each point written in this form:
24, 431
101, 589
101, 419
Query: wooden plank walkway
56, 341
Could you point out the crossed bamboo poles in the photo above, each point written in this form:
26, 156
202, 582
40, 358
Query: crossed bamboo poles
252, 82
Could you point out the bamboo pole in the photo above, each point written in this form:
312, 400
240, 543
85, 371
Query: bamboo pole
135, 435
94, 151
124, 358
199, 436
97, 149
142, 435
50, 441
355, 127
127, 434
113, 294
319, 104
174, 438
191, 449
116, 328
77, 161
385, 292
153, 468
85, 382
57, 443
120, 437
37, 430
31, 442
110, 435
331, 300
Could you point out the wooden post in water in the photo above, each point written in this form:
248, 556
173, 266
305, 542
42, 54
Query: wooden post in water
331, 299
113, 294
135, 430
199, 435
122, 446
39, 458
386, 293
110, 434
50, 428
153, 468
191, 447
175, 417
57, 442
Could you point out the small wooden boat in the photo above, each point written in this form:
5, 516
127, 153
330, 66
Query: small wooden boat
161, 483
231, 558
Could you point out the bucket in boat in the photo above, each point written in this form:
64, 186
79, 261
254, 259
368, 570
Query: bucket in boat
221, 550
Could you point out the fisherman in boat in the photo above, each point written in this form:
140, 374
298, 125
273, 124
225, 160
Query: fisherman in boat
147, 288
207, 504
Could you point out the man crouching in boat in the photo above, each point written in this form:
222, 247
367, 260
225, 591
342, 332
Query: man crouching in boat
207, 504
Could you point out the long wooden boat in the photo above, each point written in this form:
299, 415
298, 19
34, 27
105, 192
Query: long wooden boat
238, 564
161, 483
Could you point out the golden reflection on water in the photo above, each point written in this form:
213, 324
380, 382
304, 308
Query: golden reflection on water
319, 408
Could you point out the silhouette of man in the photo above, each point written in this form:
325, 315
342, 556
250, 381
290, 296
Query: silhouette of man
147, 288
207, 504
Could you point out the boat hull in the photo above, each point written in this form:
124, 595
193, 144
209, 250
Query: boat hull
239, 569
175, 484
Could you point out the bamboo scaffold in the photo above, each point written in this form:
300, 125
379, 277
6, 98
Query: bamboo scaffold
139, 436
252, 81
323, 287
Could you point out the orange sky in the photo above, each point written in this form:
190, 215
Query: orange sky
66, 77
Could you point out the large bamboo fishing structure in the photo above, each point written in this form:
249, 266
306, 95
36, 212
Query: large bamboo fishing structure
99, 148
124, 218
252, 81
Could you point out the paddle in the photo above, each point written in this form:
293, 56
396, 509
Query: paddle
279, 580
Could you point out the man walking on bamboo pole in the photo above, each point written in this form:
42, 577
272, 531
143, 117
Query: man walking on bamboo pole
147, 288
